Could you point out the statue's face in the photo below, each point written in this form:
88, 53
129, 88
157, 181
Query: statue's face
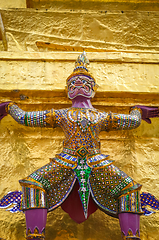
80, 85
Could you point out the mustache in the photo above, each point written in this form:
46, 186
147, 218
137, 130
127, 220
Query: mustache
86, 88
79, 86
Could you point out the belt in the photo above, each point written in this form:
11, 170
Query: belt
96, 161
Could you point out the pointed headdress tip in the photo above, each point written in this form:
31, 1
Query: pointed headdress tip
82, 62
81, 67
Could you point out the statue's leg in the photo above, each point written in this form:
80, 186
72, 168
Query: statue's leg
42, 190
35, 223
114, 190
129, 215
34, 204
130, 225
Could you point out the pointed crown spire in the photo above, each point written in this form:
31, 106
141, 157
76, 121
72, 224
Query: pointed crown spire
81, 67
82, 62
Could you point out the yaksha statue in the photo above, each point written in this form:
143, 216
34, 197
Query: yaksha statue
80, 178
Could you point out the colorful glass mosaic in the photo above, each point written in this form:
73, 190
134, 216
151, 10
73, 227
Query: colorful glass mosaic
148, 200
82, 119
107, 185
57, 182
12, 201
130, 203
33, 198
80, 159
82, 173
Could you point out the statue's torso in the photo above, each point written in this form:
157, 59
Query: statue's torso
81, 127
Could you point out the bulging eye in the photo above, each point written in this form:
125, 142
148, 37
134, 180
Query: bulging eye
73, 82
84, 81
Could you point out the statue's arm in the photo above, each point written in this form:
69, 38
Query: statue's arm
33, 119
132, 120
125, 121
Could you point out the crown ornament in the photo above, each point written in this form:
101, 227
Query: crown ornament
82, 62
81, 67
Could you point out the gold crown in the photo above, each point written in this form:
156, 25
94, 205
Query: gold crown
81, 67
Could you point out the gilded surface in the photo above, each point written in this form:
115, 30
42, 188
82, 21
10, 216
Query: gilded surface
111, 29
48, 71
96, 4
35, 79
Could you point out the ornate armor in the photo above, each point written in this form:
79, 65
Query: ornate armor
81, 160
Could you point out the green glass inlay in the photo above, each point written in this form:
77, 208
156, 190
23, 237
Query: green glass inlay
127, 203
132, 123
28, 197
37, 197
46, 202
83, 172
25, 119
121, 121
137, 201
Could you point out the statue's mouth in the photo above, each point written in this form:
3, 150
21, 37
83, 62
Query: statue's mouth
84, 87
80, 91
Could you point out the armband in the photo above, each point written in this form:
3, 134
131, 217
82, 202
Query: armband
7, 107
135, 109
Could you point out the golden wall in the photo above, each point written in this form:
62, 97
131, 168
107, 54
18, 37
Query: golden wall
42, 46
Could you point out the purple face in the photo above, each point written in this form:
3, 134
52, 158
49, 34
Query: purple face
80, 85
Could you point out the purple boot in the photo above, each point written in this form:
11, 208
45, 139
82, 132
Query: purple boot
130, 226
35, 223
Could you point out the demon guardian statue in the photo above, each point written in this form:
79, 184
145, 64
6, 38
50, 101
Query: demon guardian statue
80, 178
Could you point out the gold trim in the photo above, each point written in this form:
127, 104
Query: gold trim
62, 165
130, 235
99, 161
101, 166
32, 185
35, 234
65, 160
50, 118
135, 190
8, 106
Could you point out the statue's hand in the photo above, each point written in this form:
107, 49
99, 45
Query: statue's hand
3, 112
148, 112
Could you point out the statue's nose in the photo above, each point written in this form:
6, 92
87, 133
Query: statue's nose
78, 82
